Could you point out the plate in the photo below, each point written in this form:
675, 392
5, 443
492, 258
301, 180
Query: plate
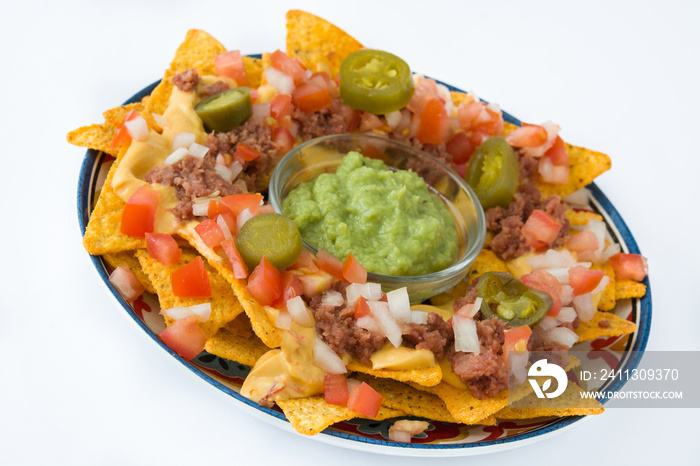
441, 439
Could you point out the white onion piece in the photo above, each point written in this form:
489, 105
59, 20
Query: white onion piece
548, 323
308, 74
369, 323
562, 335
200, 209
566, 314
241, 186
466, 338
610, 251
197, 150
398, 435
284, 320
160, 120
283, 83
585, 265
598, 228
517, 365
243, 217
299, 312
224, 172
393, 119
260, 111
445, 95
203, 311
183, 139
567, 295
601, 286
177, 154
236, 169
552, 259
137, 128
332, 298
399, 305
404, 429
327, 359
352, 383
560, 273
389, 327
369, 291
578, 198
470, 310
419, 317
584, 307
126, 283
224, 227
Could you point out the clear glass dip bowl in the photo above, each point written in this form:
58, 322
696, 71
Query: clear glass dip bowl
324, 154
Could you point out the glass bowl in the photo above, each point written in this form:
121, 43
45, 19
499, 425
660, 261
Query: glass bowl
324, 154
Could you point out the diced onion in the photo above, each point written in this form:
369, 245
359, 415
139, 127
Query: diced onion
552, 259
203, 311
562, 335
419, 317
332, 298
517, 365
299, 312
560, 273
224, 227
445, 95
369, 323
160, 120
578, 198
137, 128
389, 327
283, 83
284, 320
567, 295
393, 119
601, 286
126, 283
610, 251
566, 314
369, 291
177, 154
327, 359
599, 229
352, 383
236, 169
548, 323
224, 172
470, 310
398, 435
466, 338
404, 429
200, 209
197, 150
183, 139
584, 307
243, 217
399, 305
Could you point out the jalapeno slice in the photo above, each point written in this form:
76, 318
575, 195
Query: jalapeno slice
225, 110
271, 235
375, 81
493, 172
511, 301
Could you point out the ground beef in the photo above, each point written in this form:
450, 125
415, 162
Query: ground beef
258, 137
433, 336
469, 297
191, 177
485, 373
316, 124
213, 89
555, 353
187, 80
337, 326
506, 224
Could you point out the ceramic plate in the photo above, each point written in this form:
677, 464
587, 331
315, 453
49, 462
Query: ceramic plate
441, 439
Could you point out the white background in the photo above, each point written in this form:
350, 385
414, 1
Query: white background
81, 384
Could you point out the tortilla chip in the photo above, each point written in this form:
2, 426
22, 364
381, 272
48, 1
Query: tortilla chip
463, 406
320, 45
457, 98
224, 305
590, 330
128, 259
237, 342
311, 415
607, 297
486, 261
254, 69
581, 217
426, 377
98, 137
410, 400
531, 406
115, 116
625, 289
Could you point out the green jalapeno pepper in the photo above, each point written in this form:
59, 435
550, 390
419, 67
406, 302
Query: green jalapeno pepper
226, 110
271, 235
493, 172
511, 301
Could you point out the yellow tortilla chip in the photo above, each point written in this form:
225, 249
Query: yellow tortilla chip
128, 259
320, 45
224, 305
607, 297
237, 342
463, 406
115, 116
486, 261
254, 69
426, 377
591, 330
581, 217
625, 289
98, 137
311, 415
531, 406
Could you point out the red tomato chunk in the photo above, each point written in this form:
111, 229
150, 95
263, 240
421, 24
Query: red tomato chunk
139, 213
185, 337
163, 248
191, 280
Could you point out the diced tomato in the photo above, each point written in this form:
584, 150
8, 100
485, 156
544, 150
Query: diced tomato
629, 266
185, 337
434, 123
281, 106
311, 97
527, 136
305, 261
335, 389
191, 280
122, 135
583, 241
467, 113
361, 307
540, 229
245, 152
583, 280
291, 287
353, 271
210, 232
288, 66
163, 248
239, 267
126, 283
230, 65
329, 263
372, 152
552, 173
460, 148
488, 123
138, 217
217, 208
516, 338
314, 284
545, 281
364, 400
557, 153
283, 139
265, 283
237, 203
254, 95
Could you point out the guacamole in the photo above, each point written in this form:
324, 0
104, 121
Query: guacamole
389, 220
